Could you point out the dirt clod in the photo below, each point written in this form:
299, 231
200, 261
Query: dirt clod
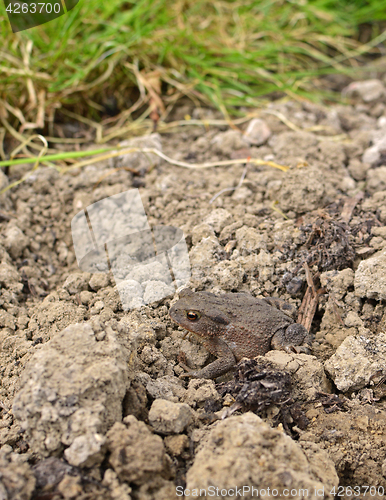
81, 378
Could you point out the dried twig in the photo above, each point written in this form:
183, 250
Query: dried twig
112, 153
310, 301
177, 163
349, 205
2, 135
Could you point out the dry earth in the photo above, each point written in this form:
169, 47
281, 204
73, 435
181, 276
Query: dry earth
92, 406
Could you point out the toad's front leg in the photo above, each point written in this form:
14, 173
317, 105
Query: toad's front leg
225, 362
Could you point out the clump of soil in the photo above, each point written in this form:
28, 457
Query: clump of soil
92, 403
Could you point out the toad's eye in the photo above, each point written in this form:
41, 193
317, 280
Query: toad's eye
192, 315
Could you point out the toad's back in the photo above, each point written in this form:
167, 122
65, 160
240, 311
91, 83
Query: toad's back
244, 322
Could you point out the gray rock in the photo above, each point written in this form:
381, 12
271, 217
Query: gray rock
353, 319
243, 194
337, 282
136, 160
200, 391
376, 202
367, 90
373, 153
376, 179
357, 361
153, 270
379, 231
307, 373
292, 144
195, 354
137, 331
265, 265
7, 320
332, 153
369, 277
117, 489
218, 219
205, 254
167, 417
303, 190
73, 386
202, 231
9, 275
167, 387
321, 465
157, 364
86, 450
137, 455
131, 293
225, 143
229, 275
176, 444
201, 144
70, 487
229, 231
53, 315
244, 452
249, 240
99, 280
357, 169
97, 307
77, 282
257, 132
15, 241
156, 291
86, 297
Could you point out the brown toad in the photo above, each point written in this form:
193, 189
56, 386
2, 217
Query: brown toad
236, 326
